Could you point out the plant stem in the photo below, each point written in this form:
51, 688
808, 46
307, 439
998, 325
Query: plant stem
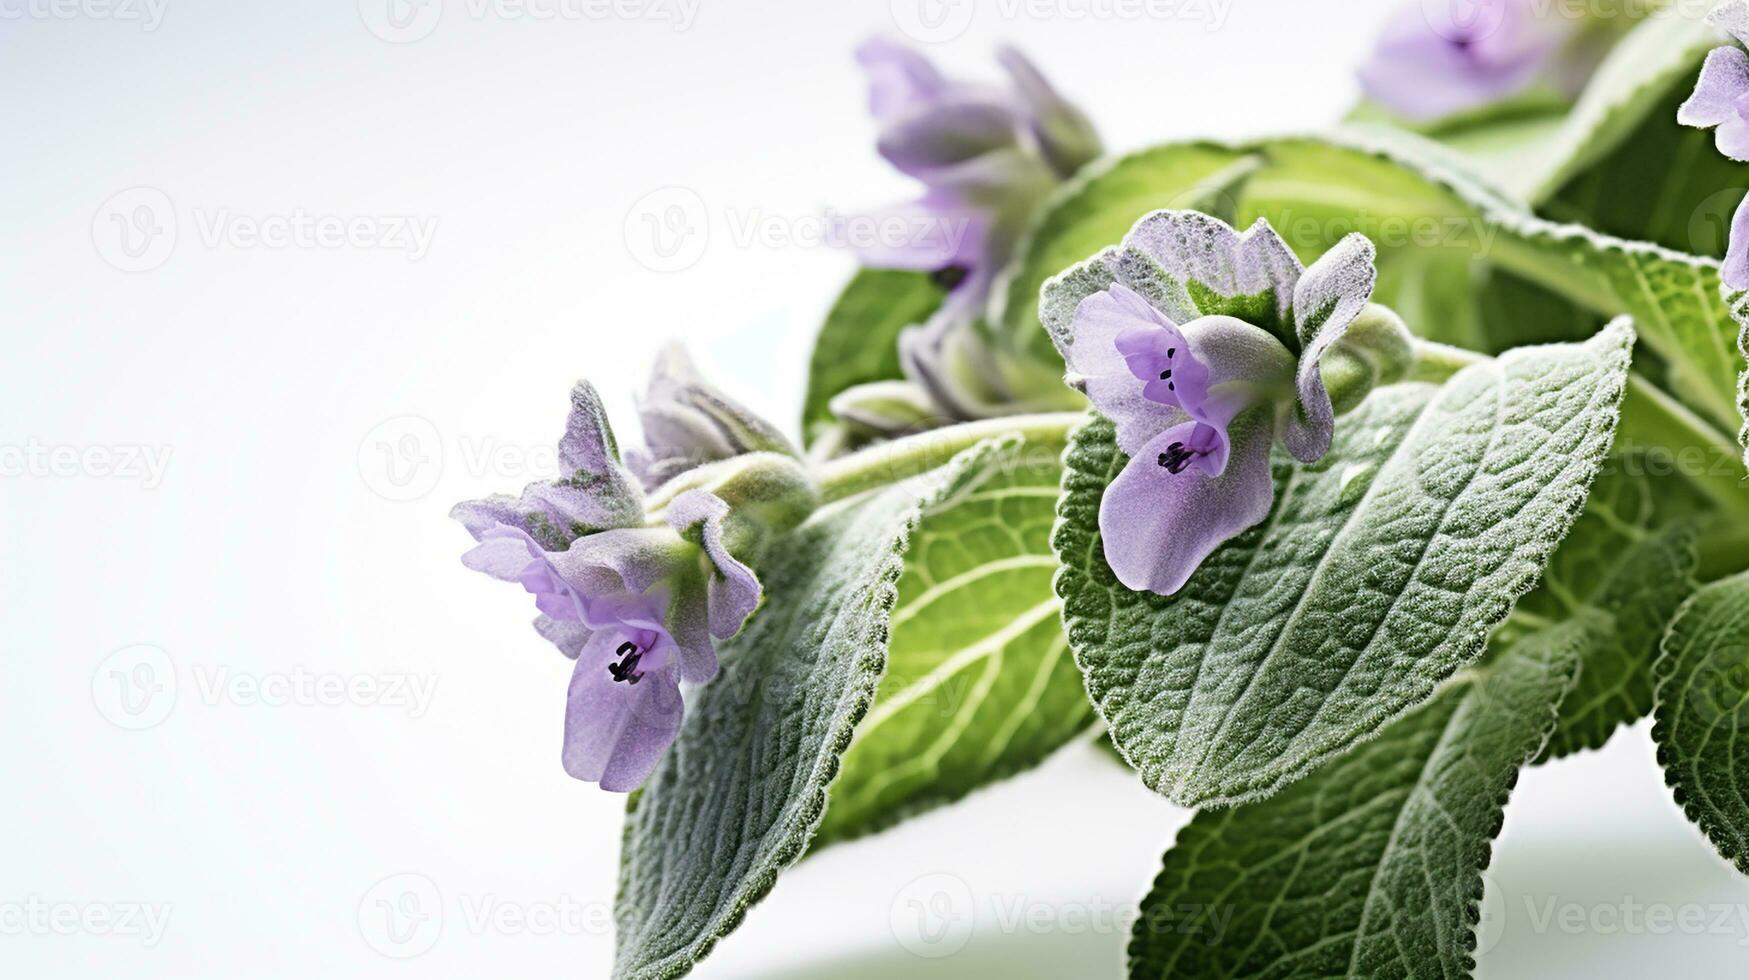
889, 462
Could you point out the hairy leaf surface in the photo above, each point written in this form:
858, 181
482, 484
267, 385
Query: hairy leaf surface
1382, 570
1702, 727
1373, 867
739, 795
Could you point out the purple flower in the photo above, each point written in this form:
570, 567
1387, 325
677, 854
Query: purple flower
1735, 270
1721, 99
688, 422
638, 607
1431, 63
988, 158
1203, 347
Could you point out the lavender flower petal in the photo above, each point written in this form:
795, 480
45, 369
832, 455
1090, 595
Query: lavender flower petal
1735, 270
945, 133
1158, 525
899, 78
1733, 19
1426, 66
594, 493
1724, 79
1201, 251
731, 592
688, 422
1064, 133
1099, 368
616, 732
1328, 298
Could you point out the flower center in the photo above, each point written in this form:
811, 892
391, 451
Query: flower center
626, 669
1177, 456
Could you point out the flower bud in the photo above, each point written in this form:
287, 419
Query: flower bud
1377, 350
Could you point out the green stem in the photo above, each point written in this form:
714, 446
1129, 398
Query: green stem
889, 462
1650, 420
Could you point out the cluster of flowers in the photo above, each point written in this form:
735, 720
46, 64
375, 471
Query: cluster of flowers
1204, 346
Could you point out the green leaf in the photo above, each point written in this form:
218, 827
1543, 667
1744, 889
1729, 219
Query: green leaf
1380, 572
1703, 712
1421, 204
1626, 568
1657, 61
859, 341
737, 798
1642, 175
979, 681
1373, 867
1095, 210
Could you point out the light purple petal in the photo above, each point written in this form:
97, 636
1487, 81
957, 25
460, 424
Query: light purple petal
1099, 368
1431, 62
616, 732
567, 635
624, 560
1733, 19
1724, 78
1065, 134
1330, 295
503, 553
1732, 138
588, 443
733, 588
1158, 526
689, 422
1153, 375
594, 492
899, 78
1194, 247
951, 132
935, 232
1736, 266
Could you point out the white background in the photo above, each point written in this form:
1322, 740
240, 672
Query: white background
298, 390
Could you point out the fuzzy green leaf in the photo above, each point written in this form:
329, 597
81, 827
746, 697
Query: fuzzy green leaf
739, 795
1703, 713
1373, 867
859, 342
979, 682
1627, 565
1382, 570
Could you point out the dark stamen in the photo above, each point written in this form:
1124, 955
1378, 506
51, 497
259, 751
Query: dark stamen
1176, 457
1166, 374
627, 669
1171, 351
